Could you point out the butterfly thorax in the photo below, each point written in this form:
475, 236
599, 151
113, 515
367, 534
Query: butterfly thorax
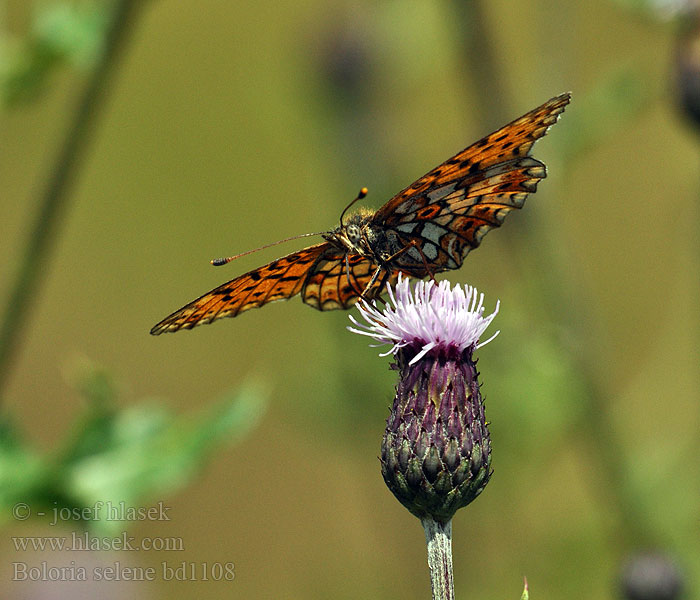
359, 234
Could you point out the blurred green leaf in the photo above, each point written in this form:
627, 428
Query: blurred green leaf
122, 455
93, 431
75, 31
541, 389
617, 98
150, 451
95, 383
21, 470
62, 34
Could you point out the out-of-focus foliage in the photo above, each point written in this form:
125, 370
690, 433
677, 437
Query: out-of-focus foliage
63, 34
120, 455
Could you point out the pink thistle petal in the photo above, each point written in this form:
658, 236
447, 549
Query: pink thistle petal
431, 316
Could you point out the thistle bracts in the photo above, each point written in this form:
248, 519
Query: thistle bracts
436, 450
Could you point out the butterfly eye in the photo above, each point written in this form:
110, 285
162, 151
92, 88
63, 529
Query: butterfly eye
353, 232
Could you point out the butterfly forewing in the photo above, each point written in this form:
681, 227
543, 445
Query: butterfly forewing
427, 228
278, 280
446, 213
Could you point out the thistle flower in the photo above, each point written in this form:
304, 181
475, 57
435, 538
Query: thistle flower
651, 575
436, 451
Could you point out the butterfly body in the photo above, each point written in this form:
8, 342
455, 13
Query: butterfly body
427, 228
354, 235
362, 236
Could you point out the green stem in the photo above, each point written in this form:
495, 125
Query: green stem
438, 537
486, 74
54, 199
482, 63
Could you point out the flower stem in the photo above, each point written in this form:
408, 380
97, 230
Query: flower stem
54, 198
478, 39
438, 537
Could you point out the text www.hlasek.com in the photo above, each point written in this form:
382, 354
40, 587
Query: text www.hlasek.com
84, 541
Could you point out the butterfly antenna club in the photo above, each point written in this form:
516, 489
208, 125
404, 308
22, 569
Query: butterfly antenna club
361, 194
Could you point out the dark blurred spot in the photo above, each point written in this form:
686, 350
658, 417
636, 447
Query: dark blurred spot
651, 576
687, 68
344, 60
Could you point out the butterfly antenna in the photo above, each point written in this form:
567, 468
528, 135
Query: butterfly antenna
217, 262
363, 192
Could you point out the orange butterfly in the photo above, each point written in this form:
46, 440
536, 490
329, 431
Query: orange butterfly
427, 228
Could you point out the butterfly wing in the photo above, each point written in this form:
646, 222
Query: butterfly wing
278, 280
446, 213
439, 219
337, 283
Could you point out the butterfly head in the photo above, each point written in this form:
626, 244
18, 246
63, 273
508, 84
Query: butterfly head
352, 234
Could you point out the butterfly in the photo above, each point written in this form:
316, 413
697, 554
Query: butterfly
427, 228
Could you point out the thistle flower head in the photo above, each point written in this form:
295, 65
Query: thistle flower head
652, 575
436, 450
430, 319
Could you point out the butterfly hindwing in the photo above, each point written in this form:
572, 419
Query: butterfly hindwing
336, 283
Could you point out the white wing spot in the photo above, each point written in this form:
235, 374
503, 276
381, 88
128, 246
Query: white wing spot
415, 254
406, 207
407, 227
432, 232
430, 251
457, 194
441, 192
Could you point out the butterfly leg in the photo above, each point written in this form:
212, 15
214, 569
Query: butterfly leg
352, 283
372, 281
414, 244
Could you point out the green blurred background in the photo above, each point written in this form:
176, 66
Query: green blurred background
232, 125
